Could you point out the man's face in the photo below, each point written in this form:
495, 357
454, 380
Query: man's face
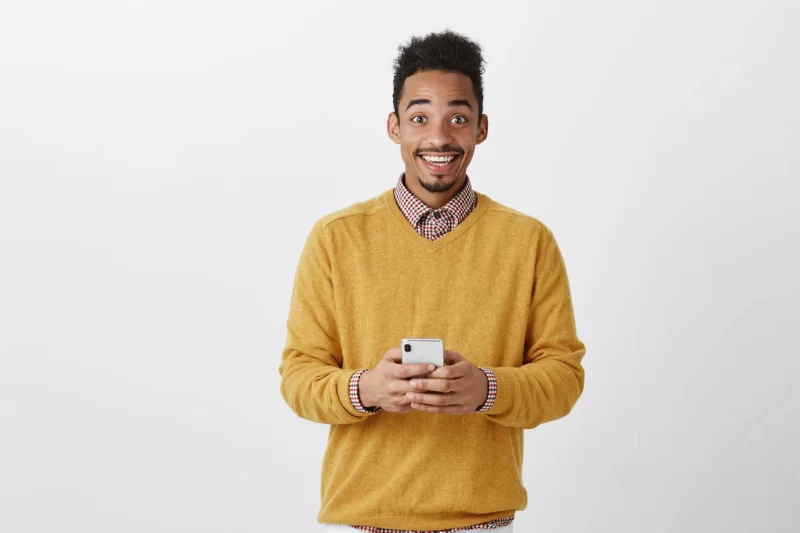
437, 129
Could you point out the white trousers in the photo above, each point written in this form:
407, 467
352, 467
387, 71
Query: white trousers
337, 528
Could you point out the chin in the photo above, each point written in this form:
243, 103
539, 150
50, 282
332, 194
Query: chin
437, 183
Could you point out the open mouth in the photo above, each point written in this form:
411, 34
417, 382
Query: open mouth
439, 164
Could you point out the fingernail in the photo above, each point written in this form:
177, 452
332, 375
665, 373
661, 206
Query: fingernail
431, 368
413, 383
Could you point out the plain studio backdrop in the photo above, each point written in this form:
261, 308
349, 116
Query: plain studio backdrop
161, 164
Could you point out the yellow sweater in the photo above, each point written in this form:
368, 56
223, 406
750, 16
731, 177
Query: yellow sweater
495, 289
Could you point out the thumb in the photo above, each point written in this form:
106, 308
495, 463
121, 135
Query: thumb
452, 357
394, 355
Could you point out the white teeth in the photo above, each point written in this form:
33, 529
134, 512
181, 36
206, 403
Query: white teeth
438, 159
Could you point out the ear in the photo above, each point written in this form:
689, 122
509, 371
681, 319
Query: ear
483, 129
393, 128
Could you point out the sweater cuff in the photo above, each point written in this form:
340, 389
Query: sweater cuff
355, 401
507, 389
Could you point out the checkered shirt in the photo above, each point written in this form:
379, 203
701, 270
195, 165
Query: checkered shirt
433, 224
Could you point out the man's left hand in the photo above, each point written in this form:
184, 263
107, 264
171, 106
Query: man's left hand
457, 388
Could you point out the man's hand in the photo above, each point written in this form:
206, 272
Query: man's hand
386, 385
455, 389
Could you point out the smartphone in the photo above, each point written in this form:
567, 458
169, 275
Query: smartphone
423, 351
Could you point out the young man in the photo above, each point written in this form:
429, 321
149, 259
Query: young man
430, 257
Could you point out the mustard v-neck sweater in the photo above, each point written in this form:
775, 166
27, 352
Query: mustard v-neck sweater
495, 289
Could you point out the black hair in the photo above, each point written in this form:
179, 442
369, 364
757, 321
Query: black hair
446, 51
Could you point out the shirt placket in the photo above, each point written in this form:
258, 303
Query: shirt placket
443, 223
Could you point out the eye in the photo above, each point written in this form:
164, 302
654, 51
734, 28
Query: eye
415, 117
459, 119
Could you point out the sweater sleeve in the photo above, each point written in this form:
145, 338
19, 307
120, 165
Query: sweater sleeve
313, 382
551, 378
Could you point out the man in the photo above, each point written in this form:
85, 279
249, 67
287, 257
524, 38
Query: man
430, 257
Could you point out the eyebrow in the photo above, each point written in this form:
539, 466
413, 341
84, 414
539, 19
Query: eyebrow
451, 103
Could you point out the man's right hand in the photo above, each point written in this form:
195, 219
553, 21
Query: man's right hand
386, 385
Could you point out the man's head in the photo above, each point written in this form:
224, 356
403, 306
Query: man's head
438, 112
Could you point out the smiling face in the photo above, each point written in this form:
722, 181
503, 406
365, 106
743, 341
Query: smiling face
437, 129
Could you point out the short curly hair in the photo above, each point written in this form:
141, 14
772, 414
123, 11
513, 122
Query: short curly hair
446, 51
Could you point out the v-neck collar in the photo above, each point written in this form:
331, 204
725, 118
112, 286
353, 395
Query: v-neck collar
424, 243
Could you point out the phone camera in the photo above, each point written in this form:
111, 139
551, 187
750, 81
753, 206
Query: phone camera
408, 347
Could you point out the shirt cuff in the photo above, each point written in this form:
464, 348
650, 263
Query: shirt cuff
354, 399
492, 391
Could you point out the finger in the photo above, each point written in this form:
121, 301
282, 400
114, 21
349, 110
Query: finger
453, 371
400, 401
435, 385
452, 357
398, 389
411, 370
437, 399
441, 410
394, 354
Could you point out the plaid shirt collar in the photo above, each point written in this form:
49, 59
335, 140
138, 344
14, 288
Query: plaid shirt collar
417, 213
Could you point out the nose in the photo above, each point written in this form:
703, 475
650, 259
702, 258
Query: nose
439, 133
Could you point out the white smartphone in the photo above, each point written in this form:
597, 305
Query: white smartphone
423, 351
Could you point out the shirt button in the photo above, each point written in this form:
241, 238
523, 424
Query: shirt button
437, 214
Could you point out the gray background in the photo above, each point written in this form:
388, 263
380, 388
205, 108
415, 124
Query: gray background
162, 162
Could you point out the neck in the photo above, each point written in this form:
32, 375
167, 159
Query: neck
434, 200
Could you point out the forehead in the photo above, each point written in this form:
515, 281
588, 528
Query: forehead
438, 87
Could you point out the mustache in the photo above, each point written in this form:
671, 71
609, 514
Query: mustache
444, 149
